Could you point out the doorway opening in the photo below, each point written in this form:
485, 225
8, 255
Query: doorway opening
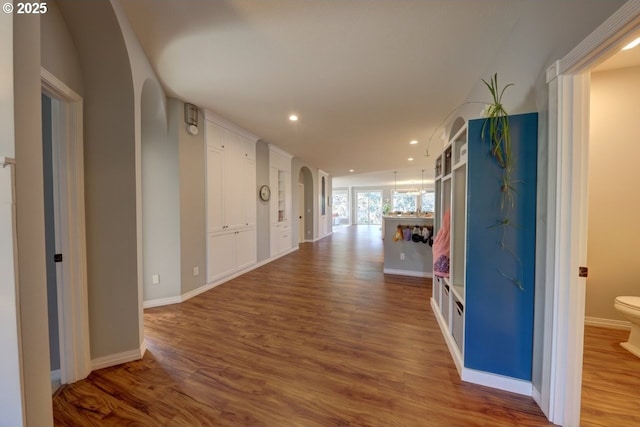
65, 231
340, 207
566, 239
369, 207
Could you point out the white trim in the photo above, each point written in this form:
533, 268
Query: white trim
535, 394
500, 382
448, 337
280, 151
607, 323
73, 311
212, 117
321, 237
187, 296
118, 358
568, 244
57, 87
609, 37
407, 273
162, 301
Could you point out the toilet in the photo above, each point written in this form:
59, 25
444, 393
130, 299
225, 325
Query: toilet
629, 307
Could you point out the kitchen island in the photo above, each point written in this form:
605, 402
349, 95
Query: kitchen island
407, 257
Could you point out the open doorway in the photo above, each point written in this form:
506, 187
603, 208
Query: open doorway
566, 247
51, 187
613, 237
369, 207
65, 232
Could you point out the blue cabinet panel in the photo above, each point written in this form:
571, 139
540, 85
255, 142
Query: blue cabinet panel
499, 315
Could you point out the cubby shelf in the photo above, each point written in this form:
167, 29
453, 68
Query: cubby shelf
487, 321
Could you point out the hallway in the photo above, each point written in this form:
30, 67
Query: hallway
319, 337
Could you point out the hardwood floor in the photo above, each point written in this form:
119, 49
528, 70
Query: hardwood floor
317, 338
610, 380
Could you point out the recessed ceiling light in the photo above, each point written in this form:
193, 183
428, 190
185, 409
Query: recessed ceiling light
414, 142
410, 159
293, 118
351, 170
633, 44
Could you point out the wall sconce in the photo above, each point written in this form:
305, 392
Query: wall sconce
191, 118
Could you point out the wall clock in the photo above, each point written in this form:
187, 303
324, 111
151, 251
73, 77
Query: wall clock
265, 193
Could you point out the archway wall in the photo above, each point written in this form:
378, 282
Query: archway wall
112, 181
160, 198
311, 194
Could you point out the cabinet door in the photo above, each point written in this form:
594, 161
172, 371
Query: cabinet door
221, 255
284, 238
274, 239
214, 136
273, 202
246, 248
234, 207
215, 194
249, 192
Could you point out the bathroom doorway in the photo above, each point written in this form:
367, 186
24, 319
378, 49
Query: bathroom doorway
564, 288
611, 375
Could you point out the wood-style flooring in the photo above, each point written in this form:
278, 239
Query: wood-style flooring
610, 380
320, 337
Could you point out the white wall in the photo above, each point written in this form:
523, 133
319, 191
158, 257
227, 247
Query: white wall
30, 220
11, 399
613, 245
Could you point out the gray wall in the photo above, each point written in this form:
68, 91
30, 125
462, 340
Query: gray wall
30, 220
59, 55
110, 177
192, 197
418, 256
263, 222
160, 198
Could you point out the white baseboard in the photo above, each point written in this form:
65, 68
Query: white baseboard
161, 301
608, 323
186, 296
537, 396
118, 358
500, 382
407, 273
322, 237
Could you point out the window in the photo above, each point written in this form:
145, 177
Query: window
369, 207
404, 202
428, 203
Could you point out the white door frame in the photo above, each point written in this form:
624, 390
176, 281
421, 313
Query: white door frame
569, 85
68, 169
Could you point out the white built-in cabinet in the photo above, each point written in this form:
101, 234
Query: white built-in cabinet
280, 203
231, 200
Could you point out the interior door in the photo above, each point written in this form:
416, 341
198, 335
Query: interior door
301, 226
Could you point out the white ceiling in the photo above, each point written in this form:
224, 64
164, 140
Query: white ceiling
364, 76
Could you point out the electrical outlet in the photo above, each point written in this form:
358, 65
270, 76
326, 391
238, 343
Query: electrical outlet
402, 257
155, 279
196, 271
